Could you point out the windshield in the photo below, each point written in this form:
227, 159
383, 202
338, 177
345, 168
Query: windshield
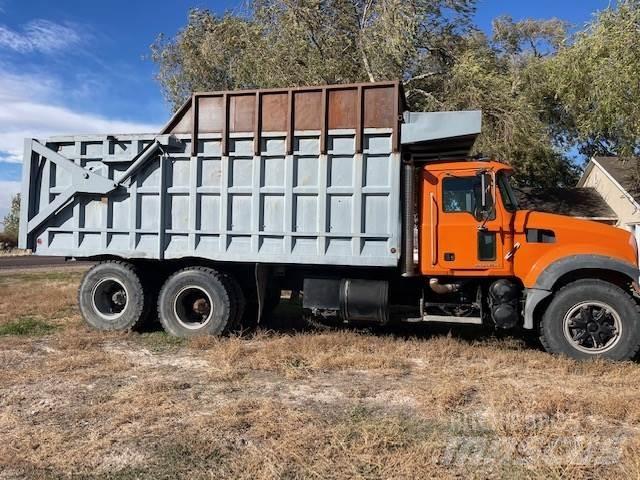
506, 192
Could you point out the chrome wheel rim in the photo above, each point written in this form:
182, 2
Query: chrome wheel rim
109, 298
592, 327
193, 307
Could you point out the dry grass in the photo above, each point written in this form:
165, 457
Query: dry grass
14, 252
286, 404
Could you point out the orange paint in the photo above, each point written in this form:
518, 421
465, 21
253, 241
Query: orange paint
449, 239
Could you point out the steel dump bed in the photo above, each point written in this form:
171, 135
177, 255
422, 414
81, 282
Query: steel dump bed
306, 175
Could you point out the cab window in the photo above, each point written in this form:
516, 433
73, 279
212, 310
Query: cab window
506, 193
464, 194
460, 194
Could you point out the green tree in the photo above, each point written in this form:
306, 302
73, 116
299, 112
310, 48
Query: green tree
595, 84
277, 43
431, 45
12, 219
501, 75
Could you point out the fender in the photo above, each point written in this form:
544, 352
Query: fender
551, 274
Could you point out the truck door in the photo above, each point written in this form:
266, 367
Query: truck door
468, 227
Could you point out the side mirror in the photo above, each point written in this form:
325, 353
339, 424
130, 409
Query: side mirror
483, 188
486, 210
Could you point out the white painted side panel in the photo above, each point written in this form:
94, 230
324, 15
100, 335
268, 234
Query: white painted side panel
341, 208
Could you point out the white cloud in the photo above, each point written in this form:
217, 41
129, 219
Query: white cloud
32, 97
20, 120
15, 86
28, 111
40, 36
7, 191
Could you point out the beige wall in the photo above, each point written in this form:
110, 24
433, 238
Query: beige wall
625, 209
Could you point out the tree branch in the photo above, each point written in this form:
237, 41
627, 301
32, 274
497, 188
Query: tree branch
422, 76
423, 93
363, 53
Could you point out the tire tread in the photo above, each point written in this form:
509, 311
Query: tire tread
226, 298
141, 303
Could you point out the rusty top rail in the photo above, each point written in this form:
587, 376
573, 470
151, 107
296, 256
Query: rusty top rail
318, 108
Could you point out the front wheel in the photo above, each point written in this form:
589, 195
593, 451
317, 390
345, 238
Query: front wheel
590, 319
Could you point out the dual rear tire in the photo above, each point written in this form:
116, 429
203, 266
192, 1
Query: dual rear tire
112, 296
193, 301
200, 301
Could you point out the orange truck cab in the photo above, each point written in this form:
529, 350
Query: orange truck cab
543, 265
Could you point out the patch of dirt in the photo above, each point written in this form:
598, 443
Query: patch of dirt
145, 358
124, 458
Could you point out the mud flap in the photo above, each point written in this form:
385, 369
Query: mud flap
533, 297
261, 276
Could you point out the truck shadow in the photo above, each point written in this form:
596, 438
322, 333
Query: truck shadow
288, 317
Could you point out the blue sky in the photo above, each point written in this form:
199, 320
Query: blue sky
78, 66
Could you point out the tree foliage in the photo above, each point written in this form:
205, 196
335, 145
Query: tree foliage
279, 43
12, 219
596, 81
499, 75
541, 91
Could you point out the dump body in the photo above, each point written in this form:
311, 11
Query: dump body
287, 176
306, 176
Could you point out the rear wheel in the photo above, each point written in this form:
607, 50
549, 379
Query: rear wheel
237, 300
111, 297
592, 318
197, 301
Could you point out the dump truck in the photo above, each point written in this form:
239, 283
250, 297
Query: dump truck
373, 213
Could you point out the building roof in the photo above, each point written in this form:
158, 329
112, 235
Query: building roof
576, 202
625, 172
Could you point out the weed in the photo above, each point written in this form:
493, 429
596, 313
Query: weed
160, 341
41, 276
26, 326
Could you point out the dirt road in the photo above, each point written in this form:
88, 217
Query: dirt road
36, 261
